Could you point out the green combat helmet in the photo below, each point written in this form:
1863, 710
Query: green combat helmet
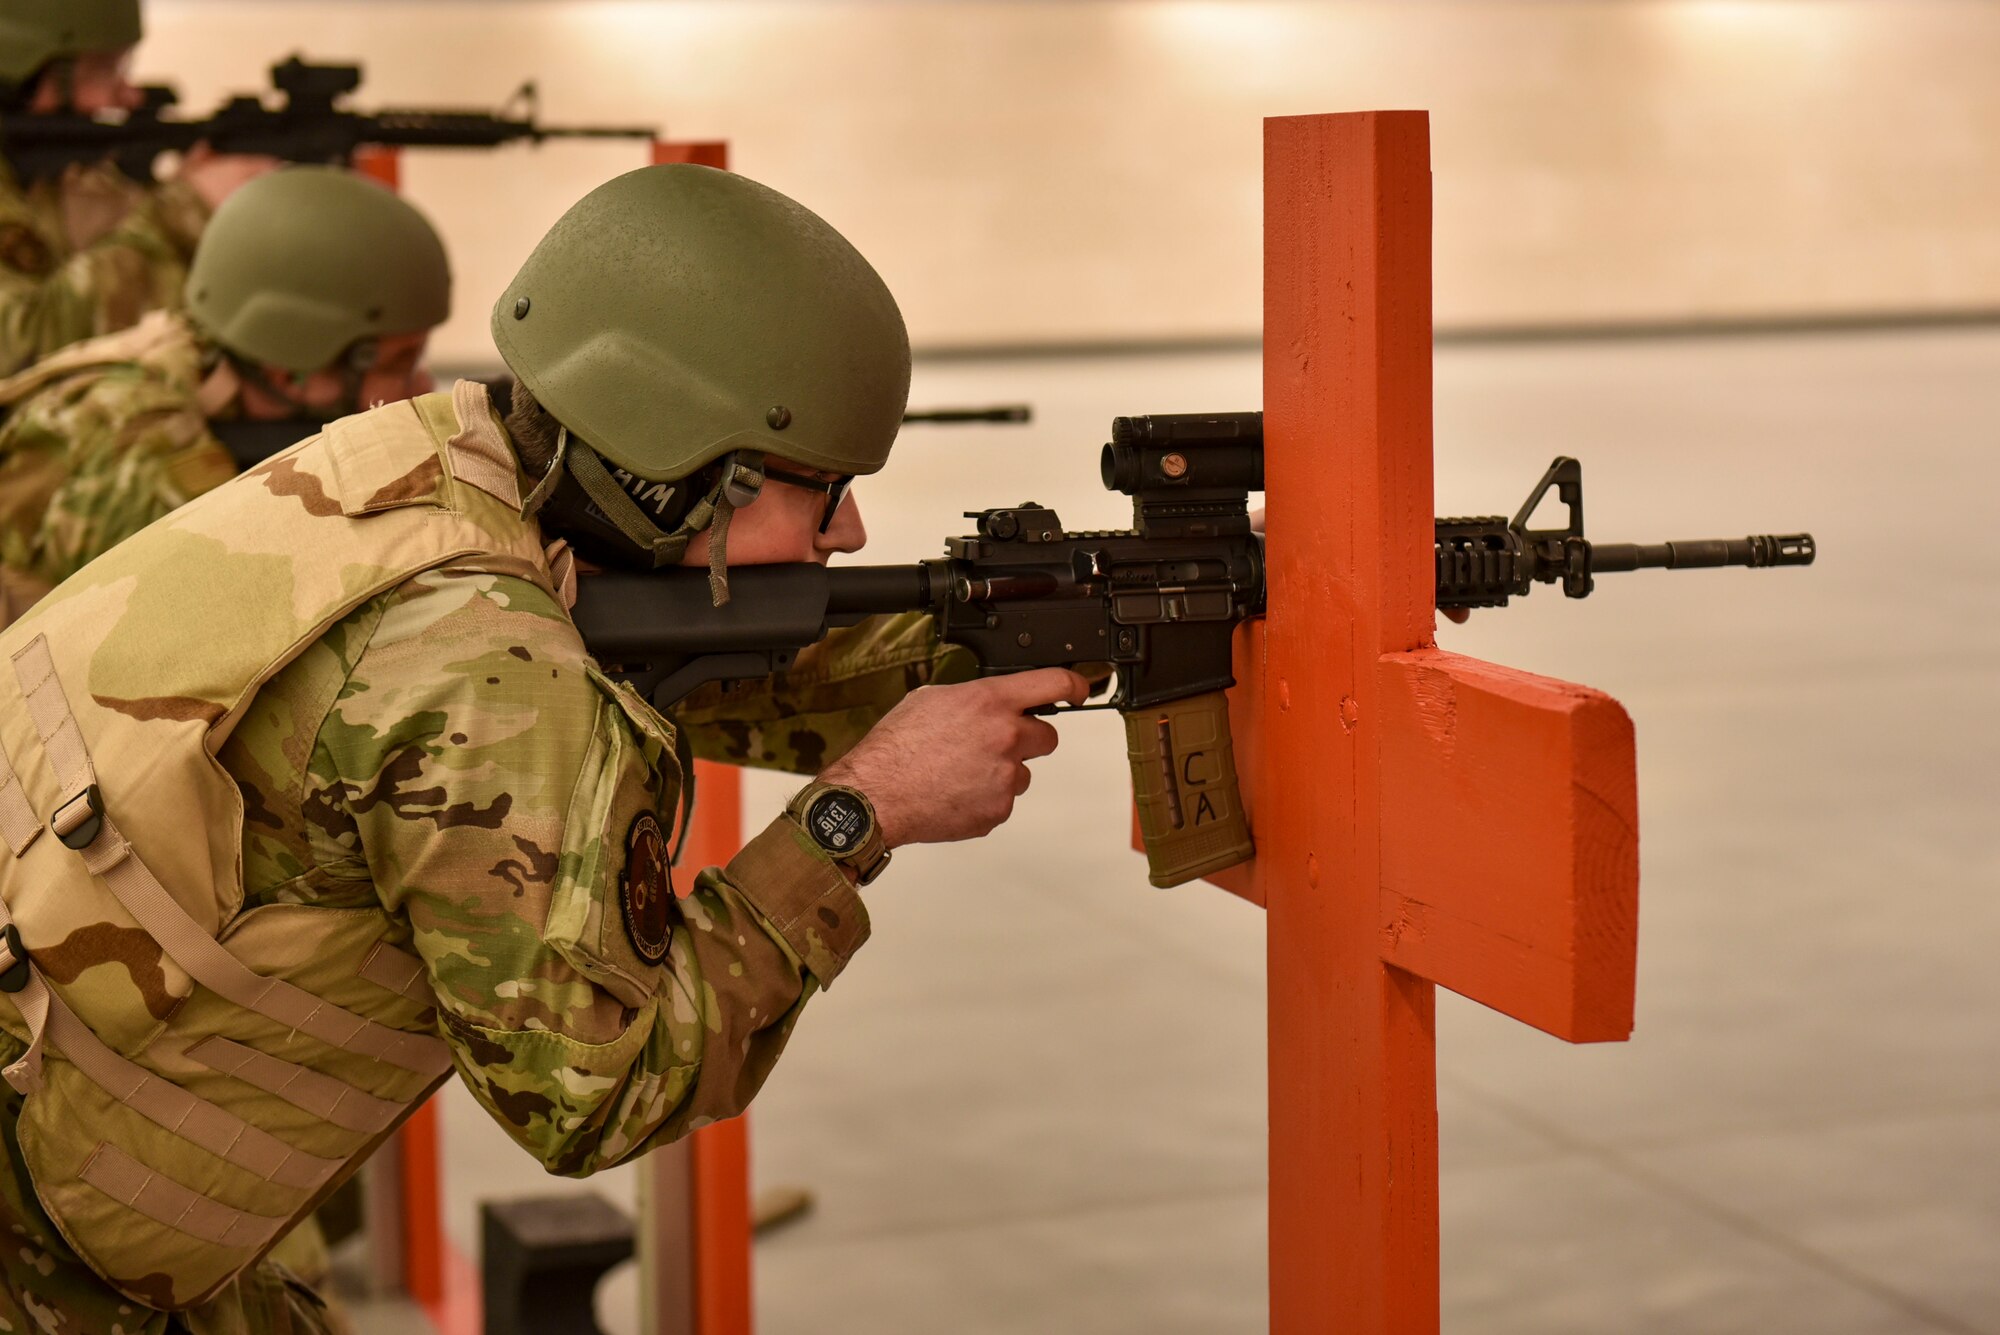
34, 32
304, 267
680, 317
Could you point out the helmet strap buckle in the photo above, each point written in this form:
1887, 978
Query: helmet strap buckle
743, 478
546, 488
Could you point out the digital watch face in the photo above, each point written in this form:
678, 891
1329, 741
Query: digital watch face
837, 822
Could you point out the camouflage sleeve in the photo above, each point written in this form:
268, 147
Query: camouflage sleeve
83, 469
836, 691
138, 266
513, 805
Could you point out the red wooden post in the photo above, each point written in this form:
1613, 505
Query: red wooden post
1421, 817
380, 162
695, 1200
695, 1223
701, 152
423, 1214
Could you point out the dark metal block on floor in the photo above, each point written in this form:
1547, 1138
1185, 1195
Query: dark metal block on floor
541, 1258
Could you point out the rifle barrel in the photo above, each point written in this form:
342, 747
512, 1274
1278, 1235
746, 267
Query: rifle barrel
1794, 549
1012, 412
597, 132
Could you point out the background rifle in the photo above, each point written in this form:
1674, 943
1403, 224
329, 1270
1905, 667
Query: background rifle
307, 125
1010, 412
1158, 602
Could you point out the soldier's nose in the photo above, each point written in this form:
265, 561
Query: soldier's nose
846, 533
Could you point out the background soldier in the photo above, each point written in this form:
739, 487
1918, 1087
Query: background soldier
399, 786
312, 295
91, 251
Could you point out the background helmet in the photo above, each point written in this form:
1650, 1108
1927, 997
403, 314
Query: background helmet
34, 32
680, 314
300, 265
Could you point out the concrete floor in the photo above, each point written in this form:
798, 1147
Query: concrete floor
1036, 1103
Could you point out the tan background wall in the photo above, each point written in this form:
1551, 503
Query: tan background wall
1028, 171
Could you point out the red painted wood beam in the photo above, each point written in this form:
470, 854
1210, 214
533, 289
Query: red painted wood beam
1347, 430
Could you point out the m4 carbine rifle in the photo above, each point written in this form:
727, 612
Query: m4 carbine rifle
1159, 603
307, 125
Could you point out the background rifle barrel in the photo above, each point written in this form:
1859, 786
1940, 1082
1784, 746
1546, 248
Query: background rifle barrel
597, 132
873, 589
1011, 412
452, 129
1794, 549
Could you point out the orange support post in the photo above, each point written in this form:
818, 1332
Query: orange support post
696, 1225
380, 162
701, 152
695, 1222
423, 1214
1421, 817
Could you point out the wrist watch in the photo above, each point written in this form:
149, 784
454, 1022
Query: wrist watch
841, 820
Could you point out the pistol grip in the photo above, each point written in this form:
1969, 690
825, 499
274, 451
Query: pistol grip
1184, 779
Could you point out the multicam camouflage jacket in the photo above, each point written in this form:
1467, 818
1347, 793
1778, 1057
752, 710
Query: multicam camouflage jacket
97, 442
447, 753
86, 255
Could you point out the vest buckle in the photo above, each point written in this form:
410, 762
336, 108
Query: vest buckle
18, 967
75, 826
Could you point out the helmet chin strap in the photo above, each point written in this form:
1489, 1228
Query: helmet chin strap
536, 499
741, 480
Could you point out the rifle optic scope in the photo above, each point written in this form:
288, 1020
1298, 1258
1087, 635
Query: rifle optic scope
1169, 452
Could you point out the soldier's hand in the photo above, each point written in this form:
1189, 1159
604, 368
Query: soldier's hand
216, 176
948, 761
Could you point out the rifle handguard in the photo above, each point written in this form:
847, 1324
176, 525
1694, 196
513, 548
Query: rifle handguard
1184, 779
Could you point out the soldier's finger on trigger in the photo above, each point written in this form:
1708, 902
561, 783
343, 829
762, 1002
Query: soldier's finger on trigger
1041, 686
1075, 687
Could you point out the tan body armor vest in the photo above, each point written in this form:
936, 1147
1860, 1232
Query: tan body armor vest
206, 1074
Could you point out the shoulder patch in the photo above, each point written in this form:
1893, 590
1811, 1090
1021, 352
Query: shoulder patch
647, 891
24, 252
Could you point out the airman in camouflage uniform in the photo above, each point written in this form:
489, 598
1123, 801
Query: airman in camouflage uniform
435, 753
60, 285
311, 277
444, 759
89, 252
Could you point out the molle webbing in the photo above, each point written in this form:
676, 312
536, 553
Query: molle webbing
389, 968
311, 1091
137, 1187
18, 825
215, 1129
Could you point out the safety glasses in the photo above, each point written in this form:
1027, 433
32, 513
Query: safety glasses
835, 489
